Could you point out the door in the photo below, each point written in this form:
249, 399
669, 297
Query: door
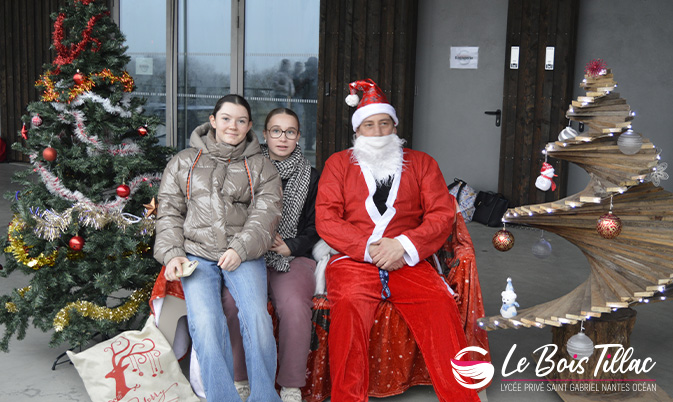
449, 119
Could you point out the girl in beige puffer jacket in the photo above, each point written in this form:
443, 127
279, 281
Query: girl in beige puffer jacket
220, 203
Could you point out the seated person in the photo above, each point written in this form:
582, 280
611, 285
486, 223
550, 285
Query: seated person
219, 205
385, 209
290, 274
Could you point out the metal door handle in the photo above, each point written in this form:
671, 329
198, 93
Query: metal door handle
497, 114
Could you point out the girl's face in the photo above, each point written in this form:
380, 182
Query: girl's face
231, 123
280, 148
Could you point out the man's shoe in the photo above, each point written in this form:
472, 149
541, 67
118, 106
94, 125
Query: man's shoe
290, 395
243, 388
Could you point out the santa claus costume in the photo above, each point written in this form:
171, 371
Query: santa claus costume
362, 198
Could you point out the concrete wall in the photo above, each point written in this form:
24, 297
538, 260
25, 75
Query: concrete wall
634, 37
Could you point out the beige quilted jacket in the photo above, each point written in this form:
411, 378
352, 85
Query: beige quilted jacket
216, 196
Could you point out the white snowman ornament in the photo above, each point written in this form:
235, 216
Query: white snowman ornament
509, 304
544, 181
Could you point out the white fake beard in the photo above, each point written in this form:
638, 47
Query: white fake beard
383, 156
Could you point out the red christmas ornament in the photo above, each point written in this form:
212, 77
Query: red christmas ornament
123, 190
36, 120
142, 131
76, 243
24, 132
503, 240
78, 78
49, 154
609, 226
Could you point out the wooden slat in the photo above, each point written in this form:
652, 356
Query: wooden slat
364, 39
531, 113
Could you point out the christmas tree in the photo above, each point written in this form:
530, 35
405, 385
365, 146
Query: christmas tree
83, 222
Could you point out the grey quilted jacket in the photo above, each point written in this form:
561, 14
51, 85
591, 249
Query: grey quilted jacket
216, 196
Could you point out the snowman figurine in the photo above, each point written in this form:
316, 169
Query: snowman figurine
509, 304
544, 180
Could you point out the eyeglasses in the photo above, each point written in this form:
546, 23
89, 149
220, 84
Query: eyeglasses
290, 133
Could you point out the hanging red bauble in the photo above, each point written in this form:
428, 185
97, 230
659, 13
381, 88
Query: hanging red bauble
609, 226
123, 190
49, 154
76, 243
36, 120
503, 240
78, 77
142, 131
24, 132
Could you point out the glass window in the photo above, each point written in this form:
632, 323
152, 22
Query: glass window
144, 25
281, 62
204, 61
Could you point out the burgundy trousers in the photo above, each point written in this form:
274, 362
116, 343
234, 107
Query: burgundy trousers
291, 294
421, 297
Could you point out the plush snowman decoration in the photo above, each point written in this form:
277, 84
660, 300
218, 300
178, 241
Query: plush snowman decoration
509, 304
544, 180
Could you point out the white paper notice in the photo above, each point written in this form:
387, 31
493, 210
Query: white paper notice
144, 66
464, 57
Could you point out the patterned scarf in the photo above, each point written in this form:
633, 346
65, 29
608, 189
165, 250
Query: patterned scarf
296, 169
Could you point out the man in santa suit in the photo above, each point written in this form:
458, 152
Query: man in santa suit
386, 209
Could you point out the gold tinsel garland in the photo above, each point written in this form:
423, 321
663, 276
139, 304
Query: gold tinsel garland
51, 95
91, 310
19, 249
10, 306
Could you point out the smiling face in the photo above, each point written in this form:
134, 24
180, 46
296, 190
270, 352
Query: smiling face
231, 123
280, 148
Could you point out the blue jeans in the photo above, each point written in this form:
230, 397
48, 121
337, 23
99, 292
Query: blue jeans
210, 335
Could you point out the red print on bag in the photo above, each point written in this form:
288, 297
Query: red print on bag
125, 354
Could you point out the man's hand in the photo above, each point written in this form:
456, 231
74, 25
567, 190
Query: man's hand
387, 254
230, 260
280, 247
174, 268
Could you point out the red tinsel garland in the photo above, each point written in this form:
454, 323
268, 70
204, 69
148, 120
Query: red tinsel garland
66, 54
85, 2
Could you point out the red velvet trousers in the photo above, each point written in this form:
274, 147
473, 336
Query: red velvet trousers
420, 296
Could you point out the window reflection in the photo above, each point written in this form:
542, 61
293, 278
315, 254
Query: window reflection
144, 25
281, 62
204, 60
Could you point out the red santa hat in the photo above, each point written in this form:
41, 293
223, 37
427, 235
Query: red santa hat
373, 102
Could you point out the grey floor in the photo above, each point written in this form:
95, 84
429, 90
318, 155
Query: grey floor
26, 373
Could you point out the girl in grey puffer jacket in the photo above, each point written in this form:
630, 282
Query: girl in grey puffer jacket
220, 203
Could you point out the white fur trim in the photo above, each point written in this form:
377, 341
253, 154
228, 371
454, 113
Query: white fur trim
411, 255
381, 221
373, 108
322, 252
352, 100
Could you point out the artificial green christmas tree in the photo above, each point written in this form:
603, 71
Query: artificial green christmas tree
83, 224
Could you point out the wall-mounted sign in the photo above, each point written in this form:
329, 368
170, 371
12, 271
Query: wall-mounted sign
464, 57
144, 66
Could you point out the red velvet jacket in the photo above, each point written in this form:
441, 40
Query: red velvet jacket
420, 210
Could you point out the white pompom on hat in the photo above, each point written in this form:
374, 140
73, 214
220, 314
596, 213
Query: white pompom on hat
373, 102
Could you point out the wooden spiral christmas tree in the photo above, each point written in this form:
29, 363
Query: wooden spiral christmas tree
634, 267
